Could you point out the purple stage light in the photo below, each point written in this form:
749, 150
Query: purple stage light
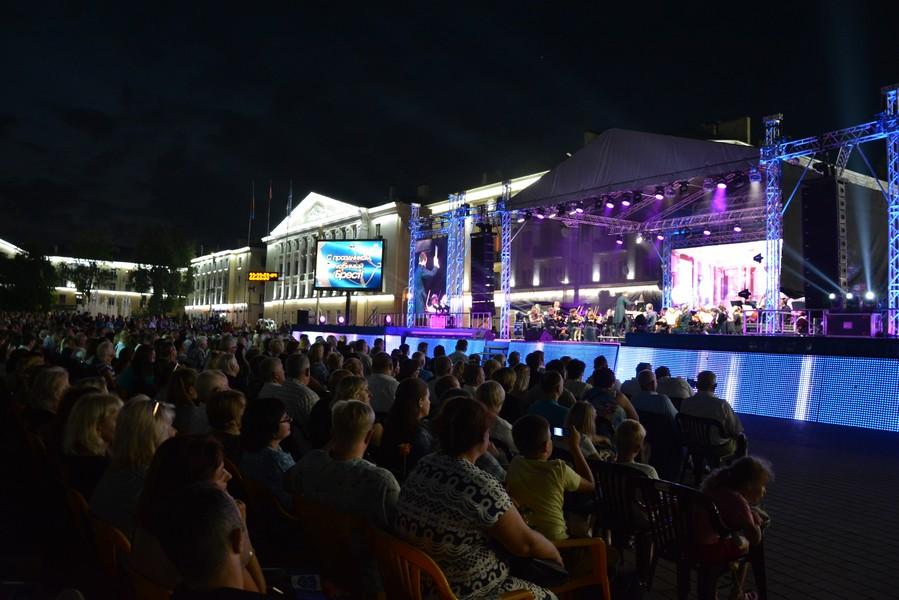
322, 319
610, 205
341, 320
722, 185
540, 216
660, 196
388, 319
625, 203
738, 229
660, 237
706, 232
619, 241
579, 210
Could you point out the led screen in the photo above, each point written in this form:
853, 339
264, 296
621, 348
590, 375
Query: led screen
349, 265
715, 275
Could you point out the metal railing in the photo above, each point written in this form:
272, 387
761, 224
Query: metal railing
464, 320
785, 322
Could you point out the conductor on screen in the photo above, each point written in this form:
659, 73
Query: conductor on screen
423, 278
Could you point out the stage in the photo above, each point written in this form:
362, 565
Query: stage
851, 381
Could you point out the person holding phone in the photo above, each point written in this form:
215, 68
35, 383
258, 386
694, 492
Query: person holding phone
537, 483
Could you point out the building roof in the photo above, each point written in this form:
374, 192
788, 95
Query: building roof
621, 159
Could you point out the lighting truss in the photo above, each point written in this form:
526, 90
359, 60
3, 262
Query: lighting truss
743, 215
414, 234
505, 287
455, 259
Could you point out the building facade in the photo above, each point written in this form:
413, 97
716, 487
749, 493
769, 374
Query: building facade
222, 285
291, 252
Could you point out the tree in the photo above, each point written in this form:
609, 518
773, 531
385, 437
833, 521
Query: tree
164, 270
87, 276
26, 282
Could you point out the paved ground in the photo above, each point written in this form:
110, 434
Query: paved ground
835, 511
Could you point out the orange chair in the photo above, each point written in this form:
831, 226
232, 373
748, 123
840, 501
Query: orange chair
274, 530
79, 513
402, 565
112, 547
597, 577
142, 587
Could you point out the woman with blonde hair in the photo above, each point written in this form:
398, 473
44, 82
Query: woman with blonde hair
142, 425
88, 437
47, 388
515, 405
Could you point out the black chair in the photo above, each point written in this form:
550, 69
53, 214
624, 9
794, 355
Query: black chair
617, 512
504, 448
697, 435
670, 510
663, 438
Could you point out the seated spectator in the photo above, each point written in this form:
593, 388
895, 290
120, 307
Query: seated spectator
489, 367
382, 383
538, 484
599, 363
47, 389
676, 388
631, 387
353, 365
492, 395
706, 405
204, 535
574, 373
649, 400
299, 397
225, 410
88, 438
516, 405
317, 363
209, 382
137, 377
567, 399
334, 361
472, 377
102, 364
183, 395
318, 430
229, 365
612, 407
737, 490
458, 531
461, 352
629, 439
582, 416
406, 440
265, 424
409, 369
442, 367
179, 463
422, 359
514, 359
142, 425
340, 477
548, 405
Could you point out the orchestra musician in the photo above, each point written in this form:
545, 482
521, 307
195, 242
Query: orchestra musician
535, 317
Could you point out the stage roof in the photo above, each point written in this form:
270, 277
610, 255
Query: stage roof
620, 159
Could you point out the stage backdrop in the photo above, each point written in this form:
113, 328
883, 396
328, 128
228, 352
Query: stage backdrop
430, 275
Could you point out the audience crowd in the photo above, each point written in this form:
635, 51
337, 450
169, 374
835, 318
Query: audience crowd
482, 462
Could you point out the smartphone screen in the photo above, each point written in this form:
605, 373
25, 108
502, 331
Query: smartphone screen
560, 432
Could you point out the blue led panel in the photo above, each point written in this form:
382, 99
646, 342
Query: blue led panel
474, 346
554, 350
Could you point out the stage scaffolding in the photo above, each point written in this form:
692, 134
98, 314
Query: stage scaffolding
761, 222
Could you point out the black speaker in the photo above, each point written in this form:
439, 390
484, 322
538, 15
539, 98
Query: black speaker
820, 241
302, 317
483, 281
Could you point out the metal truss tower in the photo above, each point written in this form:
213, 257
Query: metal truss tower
891, 97
773, 223
505, 285
414, 231
665, 262
455, 259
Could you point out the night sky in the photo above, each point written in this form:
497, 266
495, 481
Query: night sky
118, 118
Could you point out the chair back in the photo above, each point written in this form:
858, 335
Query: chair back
664, 440
696, 432
402, 566
337, 542
79, 513
112, 547
503, 447
236, 486
670, 509
616, 503
142, 587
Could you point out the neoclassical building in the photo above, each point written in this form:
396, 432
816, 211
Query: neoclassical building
290, 252
222, 285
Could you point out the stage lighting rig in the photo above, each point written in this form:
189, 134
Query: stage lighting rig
609, 204
708, 185
554, 212
831, 296
660, 237
639, 238
738, 229
619, 240
706, 232
755, 176
722, 185
669, 192
540, 214
579, 208
660, 193
638, 196
683, 187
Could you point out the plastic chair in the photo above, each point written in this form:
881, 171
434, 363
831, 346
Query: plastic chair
273, 528
402, 566
111, 544
670, 509
597, 577
335, 538
696, 433
664, 440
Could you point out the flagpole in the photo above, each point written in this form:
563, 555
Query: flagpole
268, 220
287, 245
252, 210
